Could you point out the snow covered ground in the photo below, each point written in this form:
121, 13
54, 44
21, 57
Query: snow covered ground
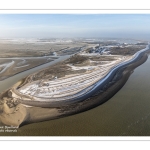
70, 86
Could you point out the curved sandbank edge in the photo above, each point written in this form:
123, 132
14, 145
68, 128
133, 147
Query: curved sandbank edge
38, 114
97, 86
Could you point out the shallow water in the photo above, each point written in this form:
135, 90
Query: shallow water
127, 113
5, 84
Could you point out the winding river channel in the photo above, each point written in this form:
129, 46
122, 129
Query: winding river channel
7, 83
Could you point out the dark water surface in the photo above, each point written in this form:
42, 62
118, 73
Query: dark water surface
126, 113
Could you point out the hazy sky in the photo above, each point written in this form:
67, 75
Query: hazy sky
74, 25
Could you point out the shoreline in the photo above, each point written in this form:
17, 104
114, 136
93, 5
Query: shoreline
89, 103
6, 77
24, 74
99, 85
38, 114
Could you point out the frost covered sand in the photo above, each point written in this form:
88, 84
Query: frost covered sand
70, 86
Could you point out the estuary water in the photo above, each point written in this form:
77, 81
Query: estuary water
127, 113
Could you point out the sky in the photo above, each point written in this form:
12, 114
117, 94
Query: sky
136, 26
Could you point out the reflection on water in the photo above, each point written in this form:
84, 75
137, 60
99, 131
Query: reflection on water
126, 113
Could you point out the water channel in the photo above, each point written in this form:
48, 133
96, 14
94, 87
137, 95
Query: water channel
127, 113
5, 84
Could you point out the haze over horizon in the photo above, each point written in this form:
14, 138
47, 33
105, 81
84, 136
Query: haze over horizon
134, 26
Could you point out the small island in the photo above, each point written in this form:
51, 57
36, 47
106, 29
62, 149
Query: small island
88, 78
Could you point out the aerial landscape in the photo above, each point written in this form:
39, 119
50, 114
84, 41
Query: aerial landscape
69, 74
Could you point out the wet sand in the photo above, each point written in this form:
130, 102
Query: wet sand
21, 64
